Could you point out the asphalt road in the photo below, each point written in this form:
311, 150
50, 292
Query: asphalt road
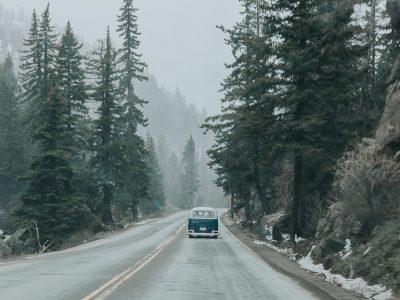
154, 260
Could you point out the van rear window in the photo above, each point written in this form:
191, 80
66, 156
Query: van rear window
203, 214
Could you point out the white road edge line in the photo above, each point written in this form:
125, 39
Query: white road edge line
255, 254
109, 287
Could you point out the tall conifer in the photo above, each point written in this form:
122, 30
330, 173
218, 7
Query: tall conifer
103, 67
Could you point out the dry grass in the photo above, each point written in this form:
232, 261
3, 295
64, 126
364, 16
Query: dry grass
368, 184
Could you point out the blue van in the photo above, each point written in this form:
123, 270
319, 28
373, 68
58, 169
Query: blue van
203, 222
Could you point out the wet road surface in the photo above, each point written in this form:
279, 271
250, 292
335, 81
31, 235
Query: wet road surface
155, 260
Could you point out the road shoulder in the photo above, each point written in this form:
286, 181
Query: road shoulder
284, 265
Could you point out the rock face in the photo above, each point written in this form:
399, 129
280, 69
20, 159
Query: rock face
393, 8
333, 230
343, 246
388, 133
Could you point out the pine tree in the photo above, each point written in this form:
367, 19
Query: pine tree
172, 180
319, 58
373, 86
37, 64
12, 137
103, 67
163, 152
48, 46
71, 79
190, 176
156, 191
247, 121
131, 70
131, 66
31, 66
50, 174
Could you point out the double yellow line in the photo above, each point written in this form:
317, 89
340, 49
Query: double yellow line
110, 286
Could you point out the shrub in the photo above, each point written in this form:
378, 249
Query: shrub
368, 184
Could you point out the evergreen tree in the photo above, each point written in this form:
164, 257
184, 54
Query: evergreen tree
103, 67
31, 66
163, 152
172, 180
156, 192
373, 85
50, 174
12, 138
134, 176
48, 46
319, 59
190, 176
38, 58
247, 123
71, 79
133, 170
131, 66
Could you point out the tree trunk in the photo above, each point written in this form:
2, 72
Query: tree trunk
262, 197
296, 210
299, 139
106, 216
232, 208
134, 210
247, 209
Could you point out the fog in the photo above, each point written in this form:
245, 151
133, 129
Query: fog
180, 41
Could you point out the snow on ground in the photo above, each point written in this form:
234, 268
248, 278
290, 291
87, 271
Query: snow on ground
299, 239
287, 251
358, 285
268, 235
347, 250
6, 237
286, 237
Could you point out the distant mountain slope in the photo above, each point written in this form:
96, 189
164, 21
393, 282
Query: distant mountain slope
171, 116
12, 32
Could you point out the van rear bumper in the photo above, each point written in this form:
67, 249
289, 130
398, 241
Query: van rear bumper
191, 233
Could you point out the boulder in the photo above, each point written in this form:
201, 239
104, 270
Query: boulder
332, 246
332, 222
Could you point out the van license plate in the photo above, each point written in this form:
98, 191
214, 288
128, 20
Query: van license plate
203, 228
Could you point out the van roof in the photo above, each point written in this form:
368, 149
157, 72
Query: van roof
203, 208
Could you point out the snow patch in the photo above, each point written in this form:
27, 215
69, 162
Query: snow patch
260, 243
366, 251
358, 285
286, 237
286, 251
268, 235
298, 239
347, 250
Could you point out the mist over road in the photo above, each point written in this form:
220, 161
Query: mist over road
154, 260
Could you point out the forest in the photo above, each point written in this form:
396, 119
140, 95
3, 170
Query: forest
285, 124
77, 145
304, 145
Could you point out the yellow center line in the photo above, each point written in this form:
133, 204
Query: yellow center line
109, 287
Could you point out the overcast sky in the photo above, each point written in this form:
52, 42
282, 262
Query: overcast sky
180, 41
